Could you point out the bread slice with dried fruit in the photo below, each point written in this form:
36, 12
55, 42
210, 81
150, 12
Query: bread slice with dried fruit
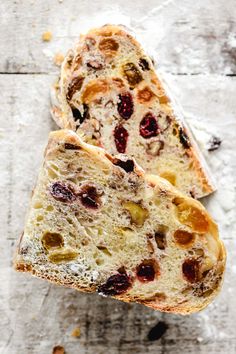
99, 223
108, 88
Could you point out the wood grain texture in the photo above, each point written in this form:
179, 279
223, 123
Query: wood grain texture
190, 38
187, 37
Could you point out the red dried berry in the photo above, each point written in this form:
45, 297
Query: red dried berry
62, 192
89, 197
149, 126
121, 138
190, 269
145, 272
125, 106
115, 285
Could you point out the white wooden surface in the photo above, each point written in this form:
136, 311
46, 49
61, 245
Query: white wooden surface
195, 43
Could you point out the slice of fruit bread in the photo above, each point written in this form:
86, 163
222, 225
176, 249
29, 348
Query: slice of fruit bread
99, 223
108, 89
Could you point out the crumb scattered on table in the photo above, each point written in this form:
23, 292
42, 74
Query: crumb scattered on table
47, 36
58, 350
58, 59
76, 332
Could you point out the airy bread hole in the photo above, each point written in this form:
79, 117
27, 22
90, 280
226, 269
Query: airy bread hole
170, 176
184, 238
138, 214
191, 216
63, 255
52, 240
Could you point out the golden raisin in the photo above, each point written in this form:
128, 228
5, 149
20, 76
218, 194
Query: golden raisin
93, 89
184, 238
137, 213
191, 216
108, 46
132, 74
145, 95
170, 176
64, 255
52, 240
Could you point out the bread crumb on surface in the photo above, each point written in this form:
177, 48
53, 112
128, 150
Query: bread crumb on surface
58, 349
58, 59
47, 36
76, 332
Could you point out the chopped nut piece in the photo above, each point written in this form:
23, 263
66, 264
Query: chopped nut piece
47, 36
137, 213
76, 332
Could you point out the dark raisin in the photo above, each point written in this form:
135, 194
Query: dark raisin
132, 74
160, 239
78, 115
115, 285
145, 272
90, 197
157, 331
62, 192
74, 86
127, 165
184, 139
214, 143
125, 106
69, 146
190, 269
121, 138
143, 63
148, 126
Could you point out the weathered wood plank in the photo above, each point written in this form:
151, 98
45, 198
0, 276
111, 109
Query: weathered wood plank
35, 316
185, 36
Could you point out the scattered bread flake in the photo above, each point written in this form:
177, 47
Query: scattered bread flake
47, 36
58, 349
58, 59
76, 332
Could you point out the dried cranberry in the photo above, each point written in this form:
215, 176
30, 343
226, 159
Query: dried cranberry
148, 126
125, 106
78, 115
115, 285
121, 137
62, 192
184, 138
145, 272
127, 165
190, 269
143, 63
90, 197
